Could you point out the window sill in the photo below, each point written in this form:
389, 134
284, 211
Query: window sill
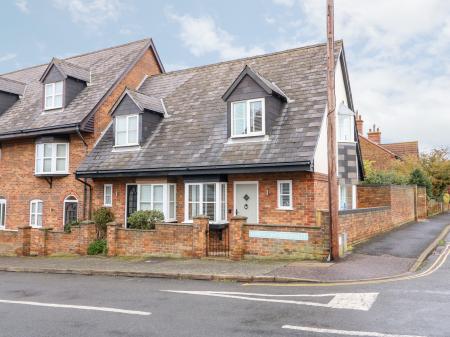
347, 141
285, 208
125, 148
107, 206
247, 139
49, 110
51, 174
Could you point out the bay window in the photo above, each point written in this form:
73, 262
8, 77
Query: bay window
52, 158
247, 118
127, 130
346, 132
206, 199
53, 95
161, 197
36, 207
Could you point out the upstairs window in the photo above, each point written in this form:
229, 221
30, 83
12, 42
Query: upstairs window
53, 95
247, 118
52, 158
127, 130
346, 127
36, 213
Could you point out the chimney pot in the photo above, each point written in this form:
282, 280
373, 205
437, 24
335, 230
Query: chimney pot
359, 124
374, 134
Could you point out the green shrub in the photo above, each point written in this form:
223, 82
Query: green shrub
101, 217
68, 226
419, 178
97, 247
145, 219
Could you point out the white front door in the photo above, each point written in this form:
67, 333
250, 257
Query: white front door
246, 200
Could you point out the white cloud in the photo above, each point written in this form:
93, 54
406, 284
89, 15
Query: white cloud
23, 6
202, 36
175, 66
92, 13
288, 3
398, 60
7, 57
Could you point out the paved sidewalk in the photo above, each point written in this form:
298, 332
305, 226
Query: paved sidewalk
387, 255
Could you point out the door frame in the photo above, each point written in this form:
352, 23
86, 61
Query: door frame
126, 201
246, 182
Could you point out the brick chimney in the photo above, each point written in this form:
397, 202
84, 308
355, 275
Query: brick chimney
359, 124
374, 135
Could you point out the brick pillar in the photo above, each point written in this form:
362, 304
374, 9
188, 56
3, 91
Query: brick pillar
86, 234
199, 232
43, 234
24, 236
237, 237
111, 238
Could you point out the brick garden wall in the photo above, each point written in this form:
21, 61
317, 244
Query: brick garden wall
9, 242
316, 247
421, 202
165, 239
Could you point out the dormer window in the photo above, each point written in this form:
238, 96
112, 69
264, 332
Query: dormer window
248, 118
127, 130
54, 95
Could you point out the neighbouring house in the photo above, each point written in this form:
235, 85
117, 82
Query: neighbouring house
383, 155
244, 137
51, 115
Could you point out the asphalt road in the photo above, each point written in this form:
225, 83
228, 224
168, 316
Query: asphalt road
30, 306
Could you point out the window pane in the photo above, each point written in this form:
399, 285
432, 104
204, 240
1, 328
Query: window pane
194, 193
209, 192
39, 220
58, 101
48, 90
172, 201
132, 123
61, 165
121, 123
132, 137
48, 150
146, 206
39, 207
158, 206
58, 88
158, 193
239, 118
256, 116
223, 207
209, 209
145, 193
2, 213
33, 207
61, 150
47, 165
284, 187
285, 201
48, 102
194, 210
121, 138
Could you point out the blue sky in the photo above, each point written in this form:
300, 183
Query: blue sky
397, 55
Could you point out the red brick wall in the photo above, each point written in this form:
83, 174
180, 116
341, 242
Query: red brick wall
421, 202
10, 243
18, 184
382, 160
373, 196
315, 248
309, 193
402, 204
165, 239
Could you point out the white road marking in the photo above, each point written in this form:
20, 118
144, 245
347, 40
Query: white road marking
354, 301
79, 307
343, 332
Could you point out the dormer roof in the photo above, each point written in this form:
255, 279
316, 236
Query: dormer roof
270, 87
67, 69
145, 102
11, 86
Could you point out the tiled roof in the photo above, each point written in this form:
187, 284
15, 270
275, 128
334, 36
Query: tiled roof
403, 149
106, 66
11, 86
195, 133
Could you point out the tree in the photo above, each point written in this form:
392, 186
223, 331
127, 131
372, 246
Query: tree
418, 177
436, 164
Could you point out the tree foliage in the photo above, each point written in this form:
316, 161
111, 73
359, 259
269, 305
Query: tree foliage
436, 164
145, 219
102, 216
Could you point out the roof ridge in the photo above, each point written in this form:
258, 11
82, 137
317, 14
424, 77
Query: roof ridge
316, 45
80, 55
408, 141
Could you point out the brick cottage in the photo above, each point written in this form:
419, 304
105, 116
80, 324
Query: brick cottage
236, 150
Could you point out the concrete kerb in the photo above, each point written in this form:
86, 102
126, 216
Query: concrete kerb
424, 255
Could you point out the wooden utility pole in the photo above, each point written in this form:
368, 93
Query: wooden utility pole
331, 139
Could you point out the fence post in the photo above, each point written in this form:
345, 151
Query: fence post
111, 238
199, 231
24, 236
237, 237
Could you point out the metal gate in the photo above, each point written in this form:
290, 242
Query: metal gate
218, 241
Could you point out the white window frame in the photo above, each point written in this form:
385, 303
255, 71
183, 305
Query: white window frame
2, 213
354, 194
66, 201
351, 120
219, 203
279, 194
174, 201
34, 217
127, 117
166, 199
247, 112
105, 186
53, 95
39, 165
